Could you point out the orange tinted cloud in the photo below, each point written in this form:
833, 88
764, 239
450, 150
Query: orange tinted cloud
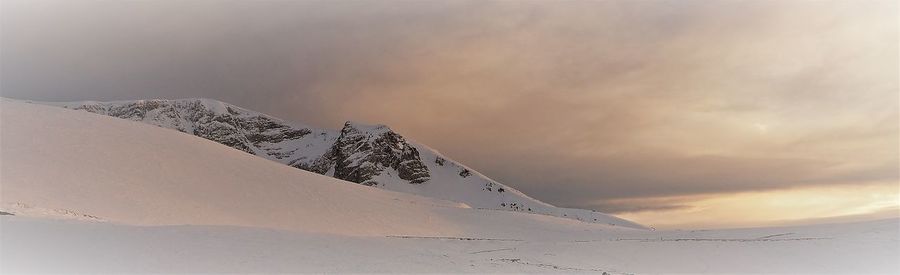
806, 205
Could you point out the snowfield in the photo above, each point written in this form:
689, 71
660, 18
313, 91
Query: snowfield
89, 193
38, 245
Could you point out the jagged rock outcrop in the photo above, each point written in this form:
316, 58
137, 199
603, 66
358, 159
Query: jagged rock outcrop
363, 152
229, 125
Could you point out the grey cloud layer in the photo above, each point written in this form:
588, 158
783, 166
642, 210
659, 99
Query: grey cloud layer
571, 101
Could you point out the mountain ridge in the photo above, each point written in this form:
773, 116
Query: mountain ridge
371, 155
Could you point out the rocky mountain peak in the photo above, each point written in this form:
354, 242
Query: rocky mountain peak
363, 152
352, 126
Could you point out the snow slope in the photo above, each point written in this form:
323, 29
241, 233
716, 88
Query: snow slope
372, 155
63, 161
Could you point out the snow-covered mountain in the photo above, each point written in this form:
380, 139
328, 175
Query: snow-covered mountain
86, 193
77, 165
372, 155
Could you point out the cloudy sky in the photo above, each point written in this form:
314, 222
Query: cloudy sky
704, 113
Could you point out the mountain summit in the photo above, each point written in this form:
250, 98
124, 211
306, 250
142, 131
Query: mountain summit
371, 155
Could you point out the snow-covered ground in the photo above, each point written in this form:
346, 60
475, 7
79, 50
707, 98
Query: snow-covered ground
92, 193
38, 245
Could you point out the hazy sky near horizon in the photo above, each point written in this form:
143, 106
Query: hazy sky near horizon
667, 112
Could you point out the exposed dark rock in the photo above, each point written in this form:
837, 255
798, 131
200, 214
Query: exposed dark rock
244, 131
465, 173
360, 154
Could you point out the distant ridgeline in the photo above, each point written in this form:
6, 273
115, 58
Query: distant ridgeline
371, 155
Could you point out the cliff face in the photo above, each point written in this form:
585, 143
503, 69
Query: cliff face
364, 152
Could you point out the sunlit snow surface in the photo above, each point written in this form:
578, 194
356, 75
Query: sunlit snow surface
91, 193
76, 246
